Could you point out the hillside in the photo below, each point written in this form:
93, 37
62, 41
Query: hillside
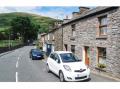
45, 22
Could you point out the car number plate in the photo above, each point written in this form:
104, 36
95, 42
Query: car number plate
38, 56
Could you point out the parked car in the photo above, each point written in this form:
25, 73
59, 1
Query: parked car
36, 54
34, 43
67, 66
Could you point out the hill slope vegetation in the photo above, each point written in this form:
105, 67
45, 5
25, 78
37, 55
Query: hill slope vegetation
44, 22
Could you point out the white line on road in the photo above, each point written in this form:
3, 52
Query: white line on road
18, 58
17, 63
16, 76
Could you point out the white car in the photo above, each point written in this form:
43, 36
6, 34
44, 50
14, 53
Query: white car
67, 66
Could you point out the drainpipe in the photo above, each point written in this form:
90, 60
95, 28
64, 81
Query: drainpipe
62, 37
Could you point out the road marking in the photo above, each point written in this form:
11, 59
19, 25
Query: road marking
17, 63
16, 76
18, 58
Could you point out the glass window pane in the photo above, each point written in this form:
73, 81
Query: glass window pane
103, 21
102, 60
102, 55
73, 48
103, 30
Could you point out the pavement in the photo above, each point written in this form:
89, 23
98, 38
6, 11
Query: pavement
16, 66
1, 54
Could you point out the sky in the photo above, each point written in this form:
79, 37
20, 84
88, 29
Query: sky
57, 12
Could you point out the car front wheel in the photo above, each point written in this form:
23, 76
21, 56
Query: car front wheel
61, 76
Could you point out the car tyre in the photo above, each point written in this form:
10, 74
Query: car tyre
48, 69
61, 76
32, 58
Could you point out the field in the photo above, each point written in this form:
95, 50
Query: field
7, 43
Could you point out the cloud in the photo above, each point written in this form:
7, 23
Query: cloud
54, 12
4, 10
16, 9
58, 12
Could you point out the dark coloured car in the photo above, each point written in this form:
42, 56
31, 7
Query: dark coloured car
36, 54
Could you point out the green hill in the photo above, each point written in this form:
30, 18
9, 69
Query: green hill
44, 22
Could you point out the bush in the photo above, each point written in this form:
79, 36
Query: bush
101, 65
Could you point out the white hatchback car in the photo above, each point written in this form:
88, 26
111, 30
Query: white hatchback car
67, 66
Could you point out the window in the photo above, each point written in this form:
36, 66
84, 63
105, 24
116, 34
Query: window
73, 29
73, 48
52, 56
101, 55
103, 25
56, 57
69, 57
65, 47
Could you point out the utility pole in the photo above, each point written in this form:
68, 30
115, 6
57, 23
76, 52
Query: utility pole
9, 39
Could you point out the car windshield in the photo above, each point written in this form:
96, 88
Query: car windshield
69, 57
36, 51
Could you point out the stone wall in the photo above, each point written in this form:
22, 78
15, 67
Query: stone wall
58, 42
86, 35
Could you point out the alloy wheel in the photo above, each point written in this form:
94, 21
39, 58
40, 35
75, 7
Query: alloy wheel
61, 77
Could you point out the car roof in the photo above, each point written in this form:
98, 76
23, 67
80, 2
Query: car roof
61, 52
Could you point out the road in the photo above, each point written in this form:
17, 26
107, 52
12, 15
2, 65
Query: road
18, 67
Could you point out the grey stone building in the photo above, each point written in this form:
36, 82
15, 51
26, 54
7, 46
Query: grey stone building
53, 40
58, 38
94, 36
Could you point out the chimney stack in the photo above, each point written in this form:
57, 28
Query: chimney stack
83, 9
66, 19
75, 14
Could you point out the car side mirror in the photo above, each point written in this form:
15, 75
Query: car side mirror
58, 61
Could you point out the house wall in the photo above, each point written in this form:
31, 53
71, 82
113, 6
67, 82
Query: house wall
86, 35
58, 40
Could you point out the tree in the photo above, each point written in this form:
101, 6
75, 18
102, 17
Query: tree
25, 28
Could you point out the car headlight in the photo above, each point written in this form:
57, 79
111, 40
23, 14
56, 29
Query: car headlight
67, 68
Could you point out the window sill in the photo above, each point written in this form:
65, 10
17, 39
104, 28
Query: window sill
101, 37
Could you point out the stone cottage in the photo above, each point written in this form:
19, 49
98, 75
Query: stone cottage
94, 36
53, 40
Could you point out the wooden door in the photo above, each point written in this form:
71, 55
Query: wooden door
87, 56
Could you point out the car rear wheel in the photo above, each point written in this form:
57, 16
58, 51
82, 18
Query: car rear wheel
48, 69
61, 76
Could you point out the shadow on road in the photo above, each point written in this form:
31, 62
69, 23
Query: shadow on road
73, 81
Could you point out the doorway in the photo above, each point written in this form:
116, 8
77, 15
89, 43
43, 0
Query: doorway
87, 55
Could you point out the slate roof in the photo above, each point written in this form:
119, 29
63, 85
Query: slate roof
90, 13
